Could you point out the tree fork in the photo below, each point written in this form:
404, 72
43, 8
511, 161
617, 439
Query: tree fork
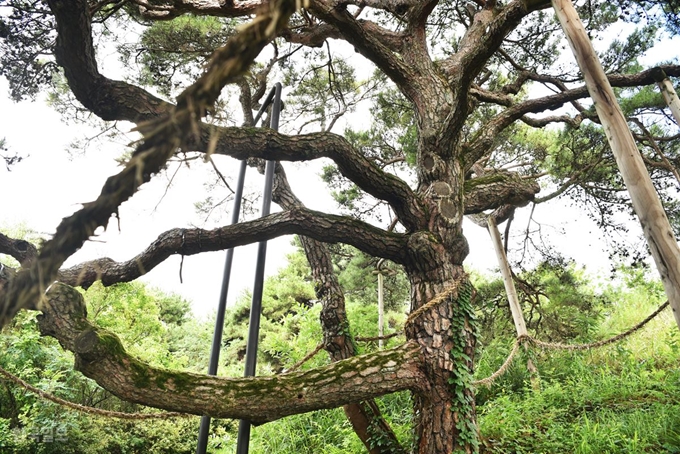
655, 225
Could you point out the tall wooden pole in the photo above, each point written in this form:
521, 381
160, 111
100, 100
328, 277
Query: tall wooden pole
381, 302
515, 308
511, 291
655, 225
668, 92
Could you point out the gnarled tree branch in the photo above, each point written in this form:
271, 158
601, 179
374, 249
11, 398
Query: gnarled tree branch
100, 356
162, 138
485, 139
112, 100
321, 226
21, 250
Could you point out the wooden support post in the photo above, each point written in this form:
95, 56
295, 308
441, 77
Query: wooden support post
515, 308
513, 300
668, 93
381, 300
655, 225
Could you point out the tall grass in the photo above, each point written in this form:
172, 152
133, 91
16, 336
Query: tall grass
624, 398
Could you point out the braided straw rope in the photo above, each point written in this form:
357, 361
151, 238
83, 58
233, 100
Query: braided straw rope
504, 367
86, 409
448, 291
611, 340
560, 346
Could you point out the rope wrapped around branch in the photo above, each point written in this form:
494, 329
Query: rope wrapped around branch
488, 381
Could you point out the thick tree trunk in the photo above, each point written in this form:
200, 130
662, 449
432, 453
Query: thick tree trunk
646, 203
443, 326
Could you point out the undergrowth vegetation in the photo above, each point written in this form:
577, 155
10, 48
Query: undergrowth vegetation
623, 398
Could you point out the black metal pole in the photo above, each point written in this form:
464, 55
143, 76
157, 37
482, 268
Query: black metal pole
204, 429
243, 441
221, 308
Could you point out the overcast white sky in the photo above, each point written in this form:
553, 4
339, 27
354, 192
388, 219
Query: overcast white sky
51, 184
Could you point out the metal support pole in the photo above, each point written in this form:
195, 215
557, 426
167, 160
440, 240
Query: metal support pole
381, 305
204, 429
243, 440
221, 308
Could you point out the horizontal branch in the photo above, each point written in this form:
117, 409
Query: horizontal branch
313, 36
243, 143
574, 121
496, 189
100, 356
320, 226
396, 7
169, 10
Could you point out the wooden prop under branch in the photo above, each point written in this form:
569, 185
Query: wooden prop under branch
646, 203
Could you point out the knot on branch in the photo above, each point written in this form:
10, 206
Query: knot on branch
64, 317
63, 309
498, 188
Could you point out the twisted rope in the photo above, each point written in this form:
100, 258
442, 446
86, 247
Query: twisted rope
560, 346
439, 298
611, 340
488, 381
86, 409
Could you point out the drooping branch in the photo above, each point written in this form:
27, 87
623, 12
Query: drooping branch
162, 138
301, 221
100, 356
664, 163
75, 53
